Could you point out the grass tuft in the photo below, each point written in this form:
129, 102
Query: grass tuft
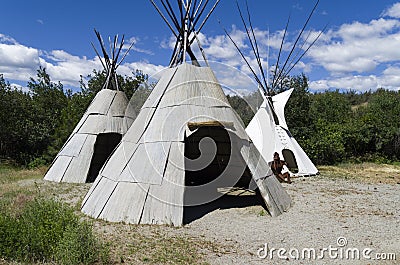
47, 231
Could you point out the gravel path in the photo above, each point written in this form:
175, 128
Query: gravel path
366, 215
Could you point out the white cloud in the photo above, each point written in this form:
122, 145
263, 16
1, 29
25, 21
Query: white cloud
232, 79
352, 55
19, 63
391, 78
18, 56
135, 47
66, 68
376, 28
147, 68
358, 82
19, 87
393, 11
358, 47
7, 39
355, 54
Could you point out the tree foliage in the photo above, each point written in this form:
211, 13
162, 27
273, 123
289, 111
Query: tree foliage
36, 123
15, 134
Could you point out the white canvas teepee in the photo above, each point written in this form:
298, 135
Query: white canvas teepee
270, 135
268, 129
107, 118
185, 143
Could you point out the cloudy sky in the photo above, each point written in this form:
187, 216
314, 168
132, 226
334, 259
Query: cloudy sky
359, 50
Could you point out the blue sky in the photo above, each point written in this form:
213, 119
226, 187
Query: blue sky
360, 50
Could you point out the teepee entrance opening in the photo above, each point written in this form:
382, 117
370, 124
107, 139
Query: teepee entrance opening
208, 157
105, 144
200, 147
290, 159
213, 178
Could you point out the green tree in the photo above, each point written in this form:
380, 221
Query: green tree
140, 96
326, 145
48, 102
77, 104
382, 116
297, 111
15, 129
332, 107
242, 108
254, 100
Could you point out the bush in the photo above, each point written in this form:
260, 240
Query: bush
47, 231
327, 145
9, 232
37, 162
79, 245
43, 223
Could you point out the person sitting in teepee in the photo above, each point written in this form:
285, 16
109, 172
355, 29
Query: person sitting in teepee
280, 169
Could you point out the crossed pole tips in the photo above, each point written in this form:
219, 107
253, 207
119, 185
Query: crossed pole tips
295, 55
183, 25
110, 64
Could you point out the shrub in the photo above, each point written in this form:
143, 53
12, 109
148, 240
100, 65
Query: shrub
37, 162
9, 232
47, 231
43, 223
327, 144
79, 245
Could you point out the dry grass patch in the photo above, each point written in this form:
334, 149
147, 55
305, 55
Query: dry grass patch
145, 244
13, 193
11, 174
364, 172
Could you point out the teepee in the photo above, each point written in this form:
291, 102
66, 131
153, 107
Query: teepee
270, 136
268, 129
185, 143
107, 118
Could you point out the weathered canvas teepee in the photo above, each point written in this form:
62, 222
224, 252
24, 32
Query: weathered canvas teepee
99, 131
185, 143
268, 129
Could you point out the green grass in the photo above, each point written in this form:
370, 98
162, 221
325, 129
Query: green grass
34, 229
363, 172
14, 196
262, 213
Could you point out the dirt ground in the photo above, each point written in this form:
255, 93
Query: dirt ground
324, 210
345, 209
